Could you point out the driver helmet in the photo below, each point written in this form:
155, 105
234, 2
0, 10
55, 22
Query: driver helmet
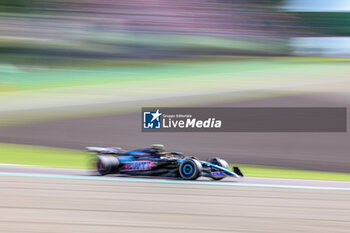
157, 147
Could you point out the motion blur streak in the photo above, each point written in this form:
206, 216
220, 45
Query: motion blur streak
70, 70
164, 181
105, 29
56, 205
75, 73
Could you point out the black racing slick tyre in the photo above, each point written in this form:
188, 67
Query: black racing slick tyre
106, 164
221, 163
190, 169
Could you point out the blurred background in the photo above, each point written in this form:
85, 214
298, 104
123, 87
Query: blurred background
59, 32
76, 73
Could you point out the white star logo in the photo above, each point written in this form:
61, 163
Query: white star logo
156, 115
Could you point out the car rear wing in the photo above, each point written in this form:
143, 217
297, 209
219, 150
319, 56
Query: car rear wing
105, 150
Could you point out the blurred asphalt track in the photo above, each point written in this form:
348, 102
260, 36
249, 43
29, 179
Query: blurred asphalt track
72, 203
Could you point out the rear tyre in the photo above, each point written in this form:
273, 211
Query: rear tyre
221, 163
106, 164
190, 169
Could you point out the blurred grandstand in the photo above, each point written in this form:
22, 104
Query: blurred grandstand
108, 29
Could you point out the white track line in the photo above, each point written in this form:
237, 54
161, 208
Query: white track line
15, 165
122, 179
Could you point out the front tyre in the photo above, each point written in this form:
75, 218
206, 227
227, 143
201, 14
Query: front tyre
106, 164
190, 169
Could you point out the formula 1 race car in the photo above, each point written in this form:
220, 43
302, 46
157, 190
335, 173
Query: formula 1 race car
154, 161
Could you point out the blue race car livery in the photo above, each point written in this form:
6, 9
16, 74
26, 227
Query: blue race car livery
154, 161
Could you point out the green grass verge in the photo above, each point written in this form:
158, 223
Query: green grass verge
64, 158
43, 156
